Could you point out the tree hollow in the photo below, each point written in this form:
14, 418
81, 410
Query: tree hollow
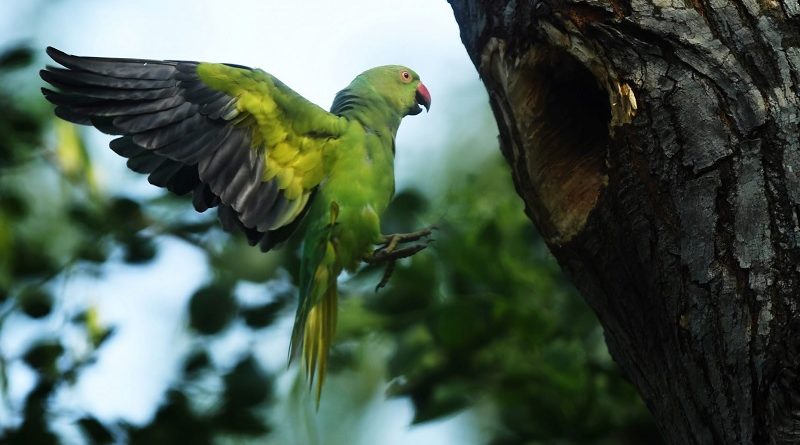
565, 136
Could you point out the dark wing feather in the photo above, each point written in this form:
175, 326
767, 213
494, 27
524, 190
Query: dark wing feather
185, 135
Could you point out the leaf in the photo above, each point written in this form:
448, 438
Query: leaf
35, 302
72, 157
127, 214
439, 401
96, 431
242, 422
247, 385
13, 205
16, 57
95, 330
259, 317
139, 249
31, 259
211, 309
42, 356
195, 362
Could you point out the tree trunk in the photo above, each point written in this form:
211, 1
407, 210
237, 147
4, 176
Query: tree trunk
655, 144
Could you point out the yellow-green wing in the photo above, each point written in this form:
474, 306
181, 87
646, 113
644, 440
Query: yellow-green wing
235, 137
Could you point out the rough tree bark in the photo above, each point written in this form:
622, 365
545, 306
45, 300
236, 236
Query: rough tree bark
655, 144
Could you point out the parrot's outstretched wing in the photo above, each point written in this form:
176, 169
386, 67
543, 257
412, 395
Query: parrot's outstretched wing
236, 137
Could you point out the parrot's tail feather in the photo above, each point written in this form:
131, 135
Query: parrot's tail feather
317, 338
316, 322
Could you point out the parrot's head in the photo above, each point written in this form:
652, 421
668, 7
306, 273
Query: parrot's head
400, 87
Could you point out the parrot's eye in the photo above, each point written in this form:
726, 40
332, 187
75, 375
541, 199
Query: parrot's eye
405, 76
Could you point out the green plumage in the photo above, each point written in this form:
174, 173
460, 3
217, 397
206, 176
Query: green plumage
344, 220
240, 140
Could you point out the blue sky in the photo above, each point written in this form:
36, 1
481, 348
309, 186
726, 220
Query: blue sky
316, 47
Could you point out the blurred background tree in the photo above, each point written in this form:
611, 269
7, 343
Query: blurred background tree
481, 324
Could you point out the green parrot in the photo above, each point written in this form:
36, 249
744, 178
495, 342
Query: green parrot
240, 140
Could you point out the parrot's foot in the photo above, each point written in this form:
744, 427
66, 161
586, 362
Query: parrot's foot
389, 253
383, 255
390, 242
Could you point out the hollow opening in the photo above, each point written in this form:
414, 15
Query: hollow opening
564, 128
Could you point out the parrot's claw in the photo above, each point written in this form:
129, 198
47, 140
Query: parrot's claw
390, 242
383, 255
386, 275
389, 253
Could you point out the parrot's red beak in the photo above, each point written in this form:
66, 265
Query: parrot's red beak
423, 96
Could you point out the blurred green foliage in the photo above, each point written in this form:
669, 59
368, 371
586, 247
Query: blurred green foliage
482, 320
486, 318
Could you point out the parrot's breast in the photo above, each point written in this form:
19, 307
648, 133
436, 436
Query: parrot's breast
361, 183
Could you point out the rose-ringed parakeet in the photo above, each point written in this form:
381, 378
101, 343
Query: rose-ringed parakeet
240, 140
